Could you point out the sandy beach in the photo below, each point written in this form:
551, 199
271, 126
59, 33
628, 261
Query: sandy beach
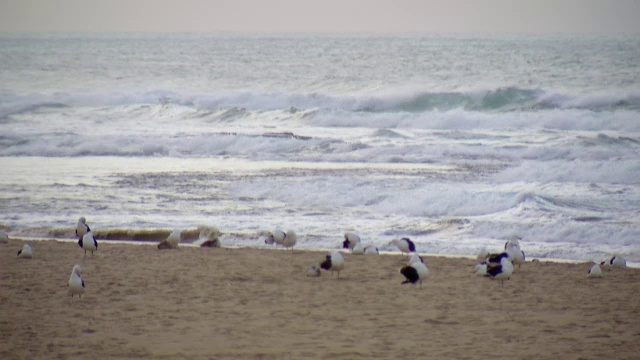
247, 303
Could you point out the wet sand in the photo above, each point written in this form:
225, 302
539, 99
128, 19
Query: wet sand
221, 303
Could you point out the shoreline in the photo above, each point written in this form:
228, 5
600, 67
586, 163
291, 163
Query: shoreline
196, 244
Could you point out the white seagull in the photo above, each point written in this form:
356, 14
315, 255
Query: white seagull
405, 245
358, 249
513, 243
362, 249
502, 271
595, 271
279, 237
89, 243
172, 241
333, 262
516, 255
25, 252
313, 271
75, 286
4, 237
82, 228
481, 269
414, 257
290, 239
416, 272
617, 261
350, 240
371, 250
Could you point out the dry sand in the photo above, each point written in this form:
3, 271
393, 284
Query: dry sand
204, 303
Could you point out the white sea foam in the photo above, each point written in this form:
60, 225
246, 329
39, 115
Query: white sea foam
374, 134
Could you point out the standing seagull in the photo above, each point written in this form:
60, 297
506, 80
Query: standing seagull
4, 237
595, 272
82, 228
333, 262
618, 261
502, 271
350, 240
25, 252
415, 272
89, 243
279, 237
405, 245
290, 240
172, 241
75, 286
414, 257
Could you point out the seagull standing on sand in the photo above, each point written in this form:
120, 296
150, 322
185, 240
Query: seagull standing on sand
313, 271
350, 240
371, 250
405, 245
82, 228
481, 269
362, 249
172, 241
75, 286
617, 261
279, 237
595, 271
89, 243
4, 237
333, 262
502, 271
414, 257
25, 252
290, 240
516, 255
416, 272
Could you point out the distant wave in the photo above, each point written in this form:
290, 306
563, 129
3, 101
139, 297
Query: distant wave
506, 99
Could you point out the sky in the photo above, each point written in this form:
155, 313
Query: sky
321, 16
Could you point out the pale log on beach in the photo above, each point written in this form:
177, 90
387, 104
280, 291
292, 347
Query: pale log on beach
198, 304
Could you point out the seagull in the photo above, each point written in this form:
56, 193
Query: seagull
25, 252
502, 271
516, 255
278, 237
481, 269
358, 249
82, 228
172, 241
333, 262
414, 273
313, 271
494, 260
362, 249
405, 245
595, 271
75, 286
617, 261
350, 240
513, 243
4, 237
290, 240
371, 250
414, 257
89, 243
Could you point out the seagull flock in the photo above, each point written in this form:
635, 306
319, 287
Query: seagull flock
496, 265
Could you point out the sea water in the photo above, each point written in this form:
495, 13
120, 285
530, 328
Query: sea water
456, 141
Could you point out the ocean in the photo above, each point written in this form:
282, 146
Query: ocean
456, 141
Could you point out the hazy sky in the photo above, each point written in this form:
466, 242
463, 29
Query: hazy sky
425, 16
